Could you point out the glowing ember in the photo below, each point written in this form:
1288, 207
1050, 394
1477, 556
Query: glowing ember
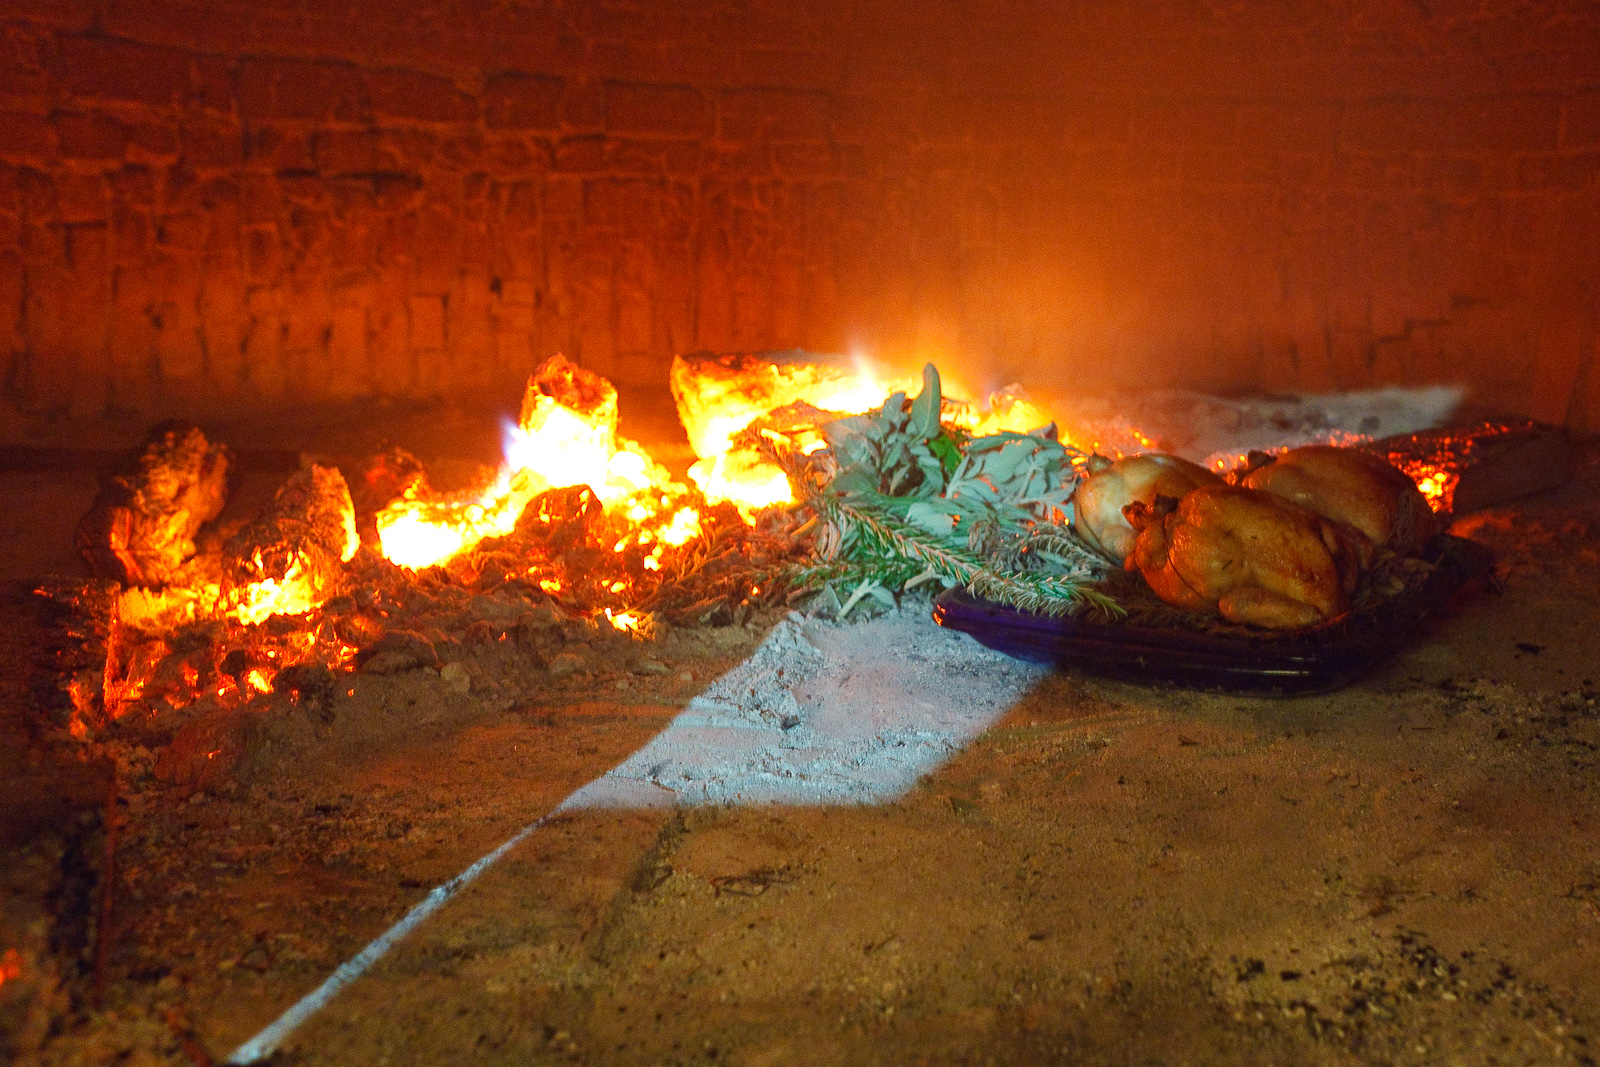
416, 531
745, 478
256, 602
683, 528
352, 540
626, 621
1437, 484
10, 965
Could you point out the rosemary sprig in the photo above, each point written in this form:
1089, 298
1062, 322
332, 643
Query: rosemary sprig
884, 536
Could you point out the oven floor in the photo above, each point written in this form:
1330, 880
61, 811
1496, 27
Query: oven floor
1404, 871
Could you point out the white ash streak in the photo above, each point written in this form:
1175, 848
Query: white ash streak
265, 1043
825, 713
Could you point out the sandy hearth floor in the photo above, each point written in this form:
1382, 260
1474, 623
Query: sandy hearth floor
1407, 871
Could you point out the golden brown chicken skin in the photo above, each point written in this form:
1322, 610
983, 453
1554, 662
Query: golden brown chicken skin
1252, 557
1110, 487
1354, 487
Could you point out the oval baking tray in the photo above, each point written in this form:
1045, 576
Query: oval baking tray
1314, 660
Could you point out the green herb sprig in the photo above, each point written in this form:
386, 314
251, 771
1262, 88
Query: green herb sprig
899, 501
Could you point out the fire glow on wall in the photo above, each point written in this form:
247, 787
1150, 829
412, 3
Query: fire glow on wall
264, 207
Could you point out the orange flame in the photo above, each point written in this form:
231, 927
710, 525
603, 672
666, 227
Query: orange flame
744, 477
10, 965
718, 399
567, 436
1007, 410
292, 594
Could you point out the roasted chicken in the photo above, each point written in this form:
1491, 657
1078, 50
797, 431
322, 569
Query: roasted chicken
1111, 487
1248, 555
1353, 487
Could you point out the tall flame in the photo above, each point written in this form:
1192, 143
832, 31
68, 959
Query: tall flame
566, 436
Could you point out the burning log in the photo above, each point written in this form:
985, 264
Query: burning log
292, 558
566, 437
1466, 468
141, 528
389, 475
582, 392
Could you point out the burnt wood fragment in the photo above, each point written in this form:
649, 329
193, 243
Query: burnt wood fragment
561, 519
79, 632
304, 537
141, 527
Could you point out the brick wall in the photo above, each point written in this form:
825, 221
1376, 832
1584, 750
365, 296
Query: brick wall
212, 205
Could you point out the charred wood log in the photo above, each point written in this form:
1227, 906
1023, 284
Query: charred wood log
292, 558
79, 632
141, 528
1483, 465
388, 476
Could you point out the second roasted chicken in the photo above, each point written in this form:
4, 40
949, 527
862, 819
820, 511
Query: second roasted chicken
1250, 556
1350, 486
1110, 487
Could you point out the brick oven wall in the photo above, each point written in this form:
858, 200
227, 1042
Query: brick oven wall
237, 205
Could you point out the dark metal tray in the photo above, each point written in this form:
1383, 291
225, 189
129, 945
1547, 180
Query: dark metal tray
1316, 660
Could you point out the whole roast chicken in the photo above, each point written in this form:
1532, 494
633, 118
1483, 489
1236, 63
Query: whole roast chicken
1250, 556
1350, 486
1110, 487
